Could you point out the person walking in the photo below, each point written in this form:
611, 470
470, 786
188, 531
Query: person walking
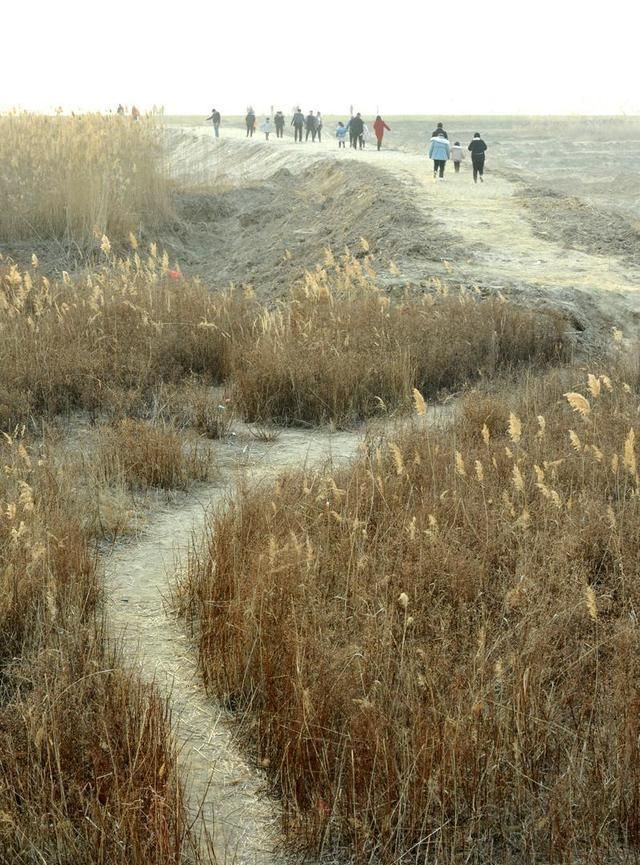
439, 151
120, 111
477, 148
135, 113
457, 155
266, 127
341, 133
250, 121
379, 127
215, 118
297, 121
278, 121
356, 128
319, 126
439, 130
310, 125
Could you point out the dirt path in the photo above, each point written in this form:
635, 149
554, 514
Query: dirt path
230, 792
502, 252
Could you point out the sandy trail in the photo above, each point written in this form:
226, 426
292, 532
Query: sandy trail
230, 792
502, 251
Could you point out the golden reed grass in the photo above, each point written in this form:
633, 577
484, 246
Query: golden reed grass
75, 179
439, 645
87, 760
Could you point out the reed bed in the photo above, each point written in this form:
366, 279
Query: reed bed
435, 651
87, 760
75, 179
107, 341
118, 339
337, 350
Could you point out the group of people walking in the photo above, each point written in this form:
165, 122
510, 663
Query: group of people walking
440, 150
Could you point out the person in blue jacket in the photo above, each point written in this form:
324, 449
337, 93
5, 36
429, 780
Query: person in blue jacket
439, 151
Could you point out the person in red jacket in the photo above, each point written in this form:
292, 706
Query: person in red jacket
379, 127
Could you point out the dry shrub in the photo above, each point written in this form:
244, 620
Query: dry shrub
440, 643
339, 351
87, 762
75, 179
145, 455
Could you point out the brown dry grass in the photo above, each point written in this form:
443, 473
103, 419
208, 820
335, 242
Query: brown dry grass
106, 341
145, 455
75, 179
439, 645
337, 350
87, 760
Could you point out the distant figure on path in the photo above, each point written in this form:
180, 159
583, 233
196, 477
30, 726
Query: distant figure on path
215, 117
477, 148
310, 123
365, 135
457, 155
250, 121
439, 130
439, 151
379, 127
319, 126
341, 134
135, 114
356, 127
267, 127
297, 121
278, 121
120, 110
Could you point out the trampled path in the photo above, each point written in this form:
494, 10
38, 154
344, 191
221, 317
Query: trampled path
219, 782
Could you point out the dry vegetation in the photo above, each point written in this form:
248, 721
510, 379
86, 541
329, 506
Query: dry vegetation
87, 765
337, 350
75, 179
132, 336
440, 644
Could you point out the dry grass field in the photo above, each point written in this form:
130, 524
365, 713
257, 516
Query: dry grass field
432, 651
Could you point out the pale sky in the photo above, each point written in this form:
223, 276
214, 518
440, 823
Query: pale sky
438, 58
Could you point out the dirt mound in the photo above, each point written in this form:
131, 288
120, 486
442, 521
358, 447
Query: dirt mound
267, 232
580, 225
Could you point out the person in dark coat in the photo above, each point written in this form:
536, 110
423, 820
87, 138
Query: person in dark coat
439, 130
477, 148
250, 120
311, 127
278, 122
297, 121
215, 117
356, 129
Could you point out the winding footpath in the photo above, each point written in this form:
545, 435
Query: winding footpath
223, 791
